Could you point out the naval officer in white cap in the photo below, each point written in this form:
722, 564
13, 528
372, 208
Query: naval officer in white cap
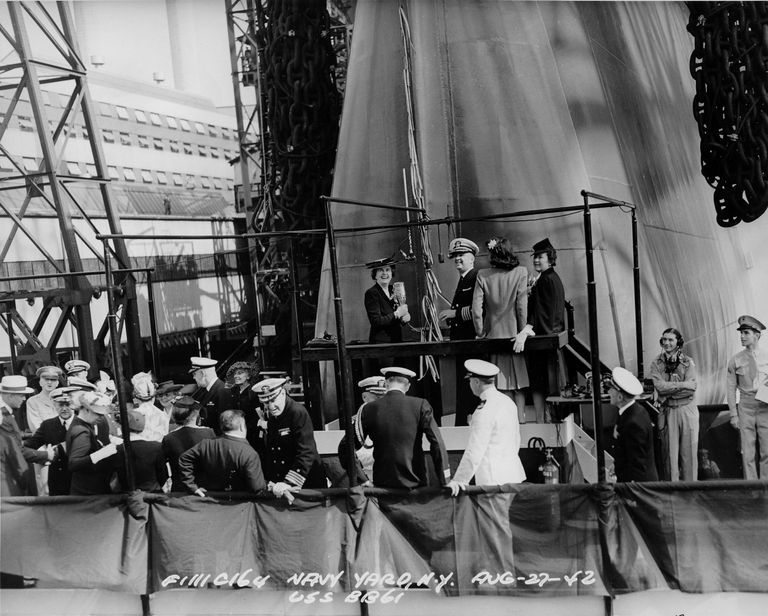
290, 461
374, 387
491, 455
459, 318
213, 396
634, 459
396, 425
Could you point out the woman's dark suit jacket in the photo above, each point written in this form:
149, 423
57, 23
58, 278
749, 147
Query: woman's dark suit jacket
385, 326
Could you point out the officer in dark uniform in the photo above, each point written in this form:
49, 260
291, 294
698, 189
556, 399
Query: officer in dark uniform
212, 394
53, 432
291, 461
633, 456
396, 424
459, 318
226, 463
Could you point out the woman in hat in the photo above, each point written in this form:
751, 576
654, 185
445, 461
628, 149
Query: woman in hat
386, 312
157, 422
546, 315
40, 406
500, 310
91, 461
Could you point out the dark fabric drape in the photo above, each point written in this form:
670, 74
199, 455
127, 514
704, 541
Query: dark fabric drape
514, 540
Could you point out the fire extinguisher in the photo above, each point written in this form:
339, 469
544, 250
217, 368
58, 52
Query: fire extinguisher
550, 470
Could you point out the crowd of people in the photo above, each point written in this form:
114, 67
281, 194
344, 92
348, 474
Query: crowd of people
183, 438
501, 301
237, 436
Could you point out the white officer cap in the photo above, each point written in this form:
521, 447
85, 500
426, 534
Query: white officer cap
373, 384
268, 389
479, 367
397, 371
77, 383
461, 245
61, 394
623, 380
201, 363
73, 366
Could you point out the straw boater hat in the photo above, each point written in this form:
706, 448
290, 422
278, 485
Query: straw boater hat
15, 384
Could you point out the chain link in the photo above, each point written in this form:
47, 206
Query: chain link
730, 66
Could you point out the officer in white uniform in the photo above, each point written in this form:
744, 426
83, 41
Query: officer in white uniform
491, 455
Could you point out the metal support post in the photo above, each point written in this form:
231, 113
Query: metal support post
118, 368
344, 361
638, 313
593, 341
153, 327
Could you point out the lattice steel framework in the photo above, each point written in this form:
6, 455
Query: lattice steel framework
27, 73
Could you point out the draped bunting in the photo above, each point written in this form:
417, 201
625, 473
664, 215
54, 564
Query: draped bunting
511, 541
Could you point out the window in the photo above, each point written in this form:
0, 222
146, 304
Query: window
214, 152
125, 139
205, 182
157, 143
122, 113
217, 183
113, 173
146, 176
188, 148
73, 168
140, 117
155, 118
202, 150
143, 141
90, 170
129, 174
171, 122
108, 136
30, 164
225, 133
162, 178
84, 132
177, 179
230, 185
213, 131
25, 124
185, 125
108, 110
190, 183
173, 146
200, 128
